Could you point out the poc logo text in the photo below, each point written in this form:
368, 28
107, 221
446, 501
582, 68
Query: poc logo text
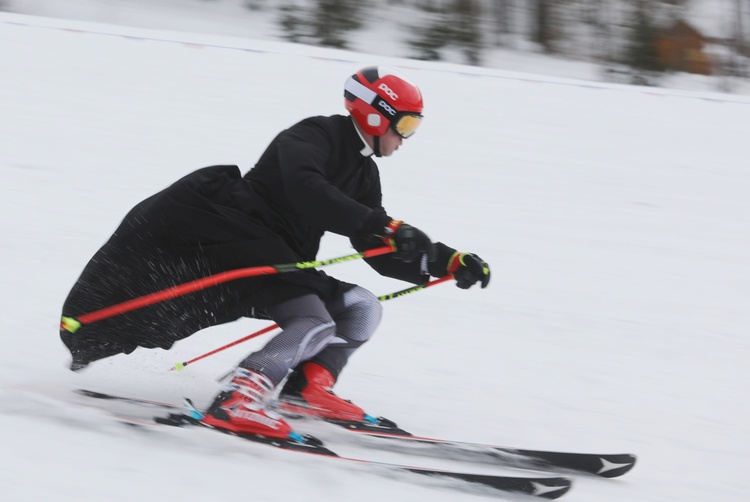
388, 108
388, 91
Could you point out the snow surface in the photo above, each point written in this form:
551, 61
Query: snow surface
616, 220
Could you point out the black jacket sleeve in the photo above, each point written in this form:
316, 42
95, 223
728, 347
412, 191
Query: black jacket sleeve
302, 156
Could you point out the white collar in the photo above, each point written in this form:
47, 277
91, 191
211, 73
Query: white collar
366, 151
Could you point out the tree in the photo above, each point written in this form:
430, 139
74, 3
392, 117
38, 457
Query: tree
543, 24
333, 19
502, 20
641, 52
325, 22
454, 23
466, 28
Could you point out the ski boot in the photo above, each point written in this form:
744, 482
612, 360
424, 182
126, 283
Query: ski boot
308, 392
241, 409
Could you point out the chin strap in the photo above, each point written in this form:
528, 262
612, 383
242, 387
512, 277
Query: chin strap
376, 145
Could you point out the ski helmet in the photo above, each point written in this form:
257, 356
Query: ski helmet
378, 97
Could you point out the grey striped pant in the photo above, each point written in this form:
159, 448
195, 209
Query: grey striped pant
327, 333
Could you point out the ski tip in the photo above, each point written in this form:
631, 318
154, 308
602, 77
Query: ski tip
613, 466
550, 488
544, 487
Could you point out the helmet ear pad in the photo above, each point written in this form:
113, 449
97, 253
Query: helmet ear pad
376, 94
375, 120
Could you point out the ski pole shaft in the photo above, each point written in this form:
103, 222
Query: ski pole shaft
413, 289
179, 366
72, 324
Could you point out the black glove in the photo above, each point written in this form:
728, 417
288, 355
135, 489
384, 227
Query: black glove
468, 269
409, 242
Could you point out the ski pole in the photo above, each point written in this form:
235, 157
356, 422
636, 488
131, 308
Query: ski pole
72, 324
179, 366
414, 289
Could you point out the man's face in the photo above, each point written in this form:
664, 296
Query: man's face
389, 142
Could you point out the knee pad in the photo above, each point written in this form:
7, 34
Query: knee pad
361, 315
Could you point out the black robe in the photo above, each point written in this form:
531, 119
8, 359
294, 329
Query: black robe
311, 179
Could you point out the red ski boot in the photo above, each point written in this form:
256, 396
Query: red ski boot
308, 392
241, 408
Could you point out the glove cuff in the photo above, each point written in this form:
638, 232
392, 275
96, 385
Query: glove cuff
390, 231
454, 262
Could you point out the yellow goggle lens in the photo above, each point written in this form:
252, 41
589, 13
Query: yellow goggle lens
407, 124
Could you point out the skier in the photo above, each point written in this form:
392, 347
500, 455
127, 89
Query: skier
314, 177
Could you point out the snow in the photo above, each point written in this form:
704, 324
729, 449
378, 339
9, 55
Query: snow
615, 219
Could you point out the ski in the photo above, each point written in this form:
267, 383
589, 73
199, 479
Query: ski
603, 465
392, 437
543, 486
385, 434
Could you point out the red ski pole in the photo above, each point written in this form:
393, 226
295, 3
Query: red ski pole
72, 324
179, 366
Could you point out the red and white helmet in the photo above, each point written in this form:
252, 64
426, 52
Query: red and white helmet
378, 97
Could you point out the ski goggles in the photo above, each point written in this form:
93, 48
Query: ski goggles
405, 124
